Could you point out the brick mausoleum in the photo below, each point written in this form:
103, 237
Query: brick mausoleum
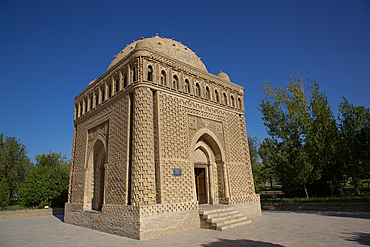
156, 137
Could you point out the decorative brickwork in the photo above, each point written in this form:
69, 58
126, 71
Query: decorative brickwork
177, 189
158, 209
78, 171
143, 168
154, 136
246, 199
172, 126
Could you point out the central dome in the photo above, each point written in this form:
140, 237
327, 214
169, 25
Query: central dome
168, 47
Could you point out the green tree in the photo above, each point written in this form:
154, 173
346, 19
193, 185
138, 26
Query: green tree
52, 160
286, 114
14, 163
256, 164
267, 151
46, 185
4, 192
322, 138
354, 141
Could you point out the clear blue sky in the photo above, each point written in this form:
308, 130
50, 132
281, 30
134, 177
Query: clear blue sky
51, 50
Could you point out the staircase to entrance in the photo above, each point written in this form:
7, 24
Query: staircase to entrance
220, 217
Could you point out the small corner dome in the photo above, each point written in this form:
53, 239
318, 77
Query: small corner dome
144, 43
223, 76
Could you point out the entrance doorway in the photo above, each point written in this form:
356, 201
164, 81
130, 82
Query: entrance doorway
211, 180
95, 178
201, 182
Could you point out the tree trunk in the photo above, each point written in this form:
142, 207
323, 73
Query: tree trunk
338, 185
355, 183
271, 184
304, 186
357, 191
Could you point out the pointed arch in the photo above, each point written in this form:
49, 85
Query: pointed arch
187, 86
95, 174
150, 73
197, 90
208, 137
175, 83
163, 78
207, 151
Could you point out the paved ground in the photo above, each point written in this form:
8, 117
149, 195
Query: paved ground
274, 228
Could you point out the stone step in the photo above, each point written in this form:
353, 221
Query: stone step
216, 210
229, 221
216, 219
221, 217
220, 214
232, 225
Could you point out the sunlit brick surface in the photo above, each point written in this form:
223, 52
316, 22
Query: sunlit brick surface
157, 108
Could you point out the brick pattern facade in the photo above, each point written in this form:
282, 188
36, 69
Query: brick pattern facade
143, 166
148, 121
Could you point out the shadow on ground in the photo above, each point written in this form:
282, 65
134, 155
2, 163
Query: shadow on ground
359, 237
240, 242
59, 216
358, 215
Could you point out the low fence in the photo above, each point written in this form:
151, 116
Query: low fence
320, 206
30, 213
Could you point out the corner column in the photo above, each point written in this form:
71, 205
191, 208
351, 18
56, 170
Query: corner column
143, 188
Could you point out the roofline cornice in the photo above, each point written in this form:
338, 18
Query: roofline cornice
169, 61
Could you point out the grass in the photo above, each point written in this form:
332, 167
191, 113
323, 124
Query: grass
16, 207
360, 186
346, 198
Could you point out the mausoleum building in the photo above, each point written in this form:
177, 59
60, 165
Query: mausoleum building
156, 137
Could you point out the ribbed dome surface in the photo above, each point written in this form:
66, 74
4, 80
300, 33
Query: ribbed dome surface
168, 47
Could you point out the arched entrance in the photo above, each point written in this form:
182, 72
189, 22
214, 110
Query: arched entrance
95, 177
202, 161
209, 169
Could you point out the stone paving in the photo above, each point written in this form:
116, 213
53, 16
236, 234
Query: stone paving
273, 228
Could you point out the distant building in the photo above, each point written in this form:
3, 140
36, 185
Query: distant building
155, 137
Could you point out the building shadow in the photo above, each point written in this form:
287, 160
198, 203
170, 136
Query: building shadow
358, 215
59, 216
359, 237
240, 242
59, 213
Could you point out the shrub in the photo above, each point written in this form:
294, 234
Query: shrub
45, 186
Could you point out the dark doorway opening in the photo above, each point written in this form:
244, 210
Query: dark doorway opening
201, 179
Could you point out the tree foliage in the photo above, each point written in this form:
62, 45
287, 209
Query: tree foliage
286, 114
267, 153
256, 164
45, 186
48, 183
307, 148
322, 140
52, 160
354, 140
4, 192
14, 163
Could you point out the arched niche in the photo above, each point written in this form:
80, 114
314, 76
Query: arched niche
95, 175
206, 152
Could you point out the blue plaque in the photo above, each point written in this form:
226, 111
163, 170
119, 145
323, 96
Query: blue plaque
177, 171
